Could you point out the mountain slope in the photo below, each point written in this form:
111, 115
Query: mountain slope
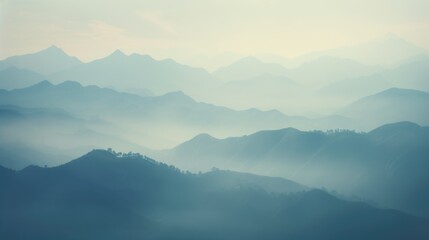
39, 136
387, 165
413, 74
389, 106
138, 71
104, 196
13, 78
141, 116
47, 61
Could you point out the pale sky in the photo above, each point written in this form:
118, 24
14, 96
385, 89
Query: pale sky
182, 29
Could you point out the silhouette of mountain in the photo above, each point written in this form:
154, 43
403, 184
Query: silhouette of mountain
13, 78
63, 96
138, 71
412, 74
250, 82
387, 165
389, 106
183, 116
247, 68
47, 61
103, 196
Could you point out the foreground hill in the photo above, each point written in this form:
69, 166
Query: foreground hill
103, 196
387, 165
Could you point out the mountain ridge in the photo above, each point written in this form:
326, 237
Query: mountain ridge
140, 198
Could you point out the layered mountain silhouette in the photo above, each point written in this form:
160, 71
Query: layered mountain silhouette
103, 195
389, 106
45, 62
387, 165
138, 71
138, 115
13, 78
412, 74
322, 84
52, 136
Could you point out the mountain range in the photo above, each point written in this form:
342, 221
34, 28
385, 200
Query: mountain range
45, 62
134, 197
138, 71
321, 85
391, 105
140, 116
14, 78
386, 165
412, 75
348, 161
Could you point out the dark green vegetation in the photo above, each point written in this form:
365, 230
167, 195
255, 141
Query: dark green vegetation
103, 196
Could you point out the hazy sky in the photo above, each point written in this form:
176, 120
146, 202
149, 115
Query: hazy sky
190, 28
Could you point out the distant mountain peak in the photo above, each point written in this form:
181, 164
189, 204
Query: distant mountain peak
99, 152
204, 136
398, 92
70, 84
42, 84
54, 48
46, 61
400, 125
178, 96
394, 129
117, 53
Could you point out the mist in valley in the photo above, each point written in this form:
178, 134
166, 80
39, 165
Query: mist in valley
151, 121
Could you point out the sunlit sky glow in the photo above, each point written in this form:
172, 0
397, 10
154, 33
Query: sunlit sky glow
185, 29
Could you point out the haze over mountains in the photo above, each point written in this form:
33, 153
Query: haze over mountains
46, 62
12, 78
138, 71
352, 120
135, 197
386, 165
145, 116
321, 84
387, 52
